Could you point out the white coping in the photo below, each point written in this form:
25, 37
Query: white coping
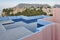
34, 17
43, 22
6, 21
4, 18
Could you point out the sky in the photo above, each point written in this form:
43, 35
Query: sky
12, 3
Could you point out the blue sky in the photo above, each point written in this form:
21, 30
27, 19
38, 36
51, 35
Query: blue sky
12, 3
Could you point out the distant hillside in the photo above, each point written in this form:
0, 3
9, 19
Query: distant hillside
22, 9
56, 6
22, 5
0, 11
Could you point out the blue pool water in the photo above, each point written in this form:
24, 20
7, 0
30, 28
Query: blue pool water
26, 21
39, 25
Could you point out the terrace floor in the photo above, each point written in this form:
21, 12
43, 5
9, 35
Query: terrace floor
21, 25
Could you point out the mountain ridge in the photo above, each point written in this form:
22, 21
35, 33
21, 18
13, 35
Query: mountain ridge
23, 5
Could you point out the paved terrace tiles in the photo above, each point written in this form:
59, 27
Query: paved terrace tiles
15, 33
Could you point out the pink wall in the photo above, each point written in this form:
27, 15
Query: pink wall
56, 16
56, 12
51, 32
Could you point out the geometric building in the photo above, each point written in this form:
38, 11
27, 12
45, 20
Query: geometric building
31, 28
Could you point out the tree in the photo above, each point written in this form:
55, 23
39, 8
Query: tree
7, 11
11, 10
49, 7
41, 7
26, 12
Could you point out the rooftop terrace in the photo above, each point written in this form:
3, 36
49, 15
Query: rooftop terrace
17, 27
